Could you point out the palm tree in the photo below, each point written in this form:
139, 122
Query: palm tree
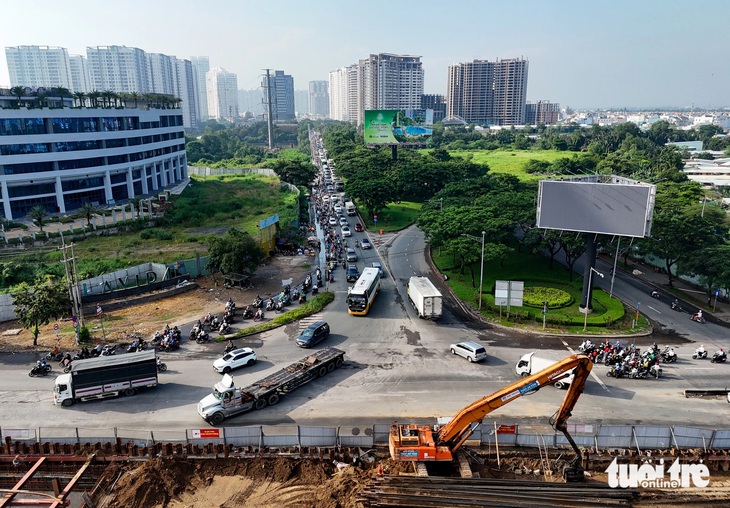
94, 98
88, 210
135, 97
19, 92
107, 96
136, 202
80, 96
38, 214
41, 99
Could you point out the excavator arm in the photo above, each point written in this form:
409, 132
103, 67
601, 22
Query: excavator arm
413, 442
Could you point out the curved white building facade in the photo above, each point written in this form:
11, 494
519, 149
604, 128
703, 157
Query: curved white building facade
62, 158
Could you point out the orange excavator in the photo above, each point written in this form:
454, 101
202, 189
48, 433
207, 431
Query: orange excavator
410, 442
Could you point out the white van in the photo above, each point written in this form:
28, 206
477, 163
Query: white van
531, 364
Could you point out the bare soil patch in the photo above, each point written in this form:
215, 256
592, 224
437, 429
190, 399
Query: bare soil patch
145, 319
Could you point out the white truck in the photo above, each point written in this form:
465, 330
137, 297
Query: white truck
350, 208
530, 364
228, 400
425, 298
106, 376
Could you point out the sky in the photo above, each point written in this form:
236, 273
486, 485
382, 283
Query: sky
582, 53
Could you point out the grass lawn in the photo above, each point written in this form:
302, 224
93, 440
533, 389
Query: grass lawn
608, 314
396, 216
512, 161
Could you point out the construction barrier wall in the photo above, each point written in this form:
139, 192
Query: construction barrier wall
638, 437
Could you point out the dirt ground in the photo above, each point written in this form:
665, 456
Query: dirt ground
227, 483
145, 319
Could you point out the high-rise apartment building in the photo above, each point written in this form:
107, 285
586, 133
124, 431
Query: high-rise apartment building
222, 89
118, 68
301, 102
484, 92
201, 66
80, 78
435, 102
319, 99
280, 92
542, 112
161, 70
381, 81
252, 101
184, 88
390, 82
38, 66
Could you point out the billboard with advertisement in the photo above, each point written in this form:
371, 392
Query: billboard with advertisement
398, 126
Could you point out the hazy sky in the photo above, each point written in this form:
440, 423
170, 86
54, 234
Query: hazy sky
582, 53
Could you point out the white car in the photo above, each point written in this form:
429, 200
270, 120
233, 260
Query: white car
333, 221
470, 350
346, 231
376, 264
236, 358
338, 208
343, 222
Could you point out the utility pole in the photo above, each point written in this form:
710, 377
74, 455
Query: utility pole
267, 98
72, 280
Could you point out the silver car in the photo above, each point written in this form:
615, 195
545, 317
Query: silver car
470, 350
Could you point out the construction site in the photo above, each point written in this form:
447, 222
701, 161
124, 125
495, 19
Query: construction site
113, 475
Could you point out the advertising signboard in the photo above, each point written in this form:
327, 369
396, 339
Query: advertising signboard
404, 127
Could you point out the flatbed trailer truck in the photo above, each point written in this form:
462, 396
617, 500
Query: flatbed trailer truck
106, 376
227, 400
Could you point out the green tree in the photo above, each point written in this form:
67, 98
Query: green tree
711, 265
38, 214
19, 92
87, 210
373, 189
37, 305
234, 252
294, 171
681, 227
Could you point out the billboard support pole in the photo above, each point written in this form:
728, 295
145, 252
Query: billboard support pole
589, 265
394, 151
613, 272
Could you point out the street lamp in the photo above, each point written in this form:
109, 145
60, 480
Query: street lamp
481, 272
589, 296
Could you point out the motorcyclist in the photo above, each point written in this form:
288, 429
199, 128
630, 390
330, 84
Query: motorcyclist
719, 353
654, 293
698, 316
675, 304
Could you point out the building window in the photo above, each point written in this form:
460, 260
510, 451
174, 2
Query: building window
21, 207
21, 126
76, 200
115, 143
23, 149
32, 167
120, 193
111, 124
32, 189
83, 183
118, 178
116, 159
80, 163
72, 146
64, 125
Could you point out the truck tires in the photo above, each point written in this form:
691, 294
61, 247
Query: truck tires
67, 402
338, 362
322, 371
273, 399
331, 367
129, 392
217, 418
259, 404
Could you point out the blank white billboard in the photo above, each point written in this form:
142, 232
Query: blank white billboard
588, 206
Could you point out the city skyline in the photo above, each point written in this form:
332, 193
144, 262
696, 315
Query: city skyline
583, 55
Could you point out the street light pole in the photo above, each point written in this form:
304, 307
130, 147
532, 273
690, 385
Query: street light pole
590, 295
481, 271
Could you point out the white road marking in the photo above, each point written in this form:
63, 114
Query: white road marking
593, 374
699, 368
652, 308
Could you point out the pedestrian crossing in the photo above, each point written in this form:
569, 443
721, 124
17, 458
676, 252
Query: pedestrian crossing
305, 322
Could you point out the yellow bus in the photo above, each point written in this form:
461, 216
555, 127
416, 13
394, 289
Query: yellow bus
361, 296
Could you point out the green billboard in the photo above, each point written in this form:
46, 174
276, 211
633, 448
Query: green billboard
398, 126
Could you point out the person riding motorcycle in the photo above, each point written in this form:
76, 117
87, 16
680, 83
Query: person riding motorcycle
654, 293
697, 316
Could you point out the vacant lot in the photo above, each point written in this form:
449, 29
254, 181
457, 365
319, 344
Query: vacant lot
511, 161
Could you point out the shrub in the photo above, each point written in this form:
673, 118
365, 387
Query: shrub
158, 233
556, 298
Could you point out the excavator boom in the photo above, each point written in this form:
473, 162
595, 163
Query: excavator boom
424, 443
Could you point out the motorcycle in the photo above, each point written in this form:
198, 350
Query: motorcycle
231, 305
223, 328
719, 357
655, 371
40, 370
137, 346
230, 347
54, 356
109, 350
699, 353
586, 347
315, 289
161, 366
697, 318
228, 318
668, 355
655, 294
215, 323
259, 316
258, 302
616, 371
675, 306
202, 337
248, 312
